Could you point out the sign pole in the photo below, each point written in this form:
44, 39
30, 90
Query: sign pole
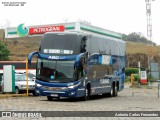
27, 76
158, 89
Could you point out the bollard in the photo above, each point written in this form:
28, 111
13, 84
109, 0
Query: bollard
132, 84
132, 80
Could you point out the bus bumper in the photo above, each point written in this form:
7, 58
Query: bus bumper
74, 93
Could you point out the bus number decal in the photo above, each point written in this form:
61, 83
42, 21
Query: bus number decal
53, 57
104, 81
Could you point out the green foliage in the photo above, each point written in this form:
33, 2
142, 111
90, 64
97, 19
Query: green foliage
136, 77
127, 79
136, 37
4, 52
130, 71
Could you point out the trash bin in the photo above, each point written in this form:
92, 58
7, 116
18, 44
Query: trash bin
143, 78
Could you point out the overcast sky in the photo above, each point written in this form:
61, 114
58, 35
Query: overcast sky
124, 16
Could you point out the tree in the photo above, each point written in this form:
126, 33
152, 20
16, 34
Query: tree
4, 52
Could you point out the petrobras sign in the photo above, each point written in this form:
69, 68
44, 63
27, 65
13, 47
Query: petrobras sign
22, 31
42, 30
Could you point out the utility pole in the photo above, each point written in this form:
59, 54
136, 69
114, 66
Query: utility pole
149, 30
149, 19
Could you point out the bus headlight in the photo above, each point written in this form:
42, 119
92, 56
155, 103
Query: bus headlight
38, 85
73, 86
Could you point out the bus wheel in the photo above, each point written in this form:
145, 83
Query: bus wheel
115, 92
49, 98
111, 92
34, 93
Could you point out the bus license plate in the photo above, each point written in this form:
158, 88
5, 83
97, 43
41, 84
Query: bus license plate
54, 95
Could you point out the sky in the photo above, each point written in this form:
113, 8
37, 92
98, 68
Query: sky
123, 16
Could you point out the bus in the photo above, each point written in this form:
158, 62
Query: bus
77, 64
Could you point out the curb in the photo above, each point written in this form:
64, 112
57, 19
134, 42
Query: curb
12, 95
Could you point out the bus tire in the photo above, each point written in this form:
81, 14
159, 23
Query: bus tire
49, 98
87, 94
111, 92
34, 93
115, 92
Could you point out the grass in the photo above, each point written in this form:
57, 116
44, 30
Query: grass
133, 48
20, 48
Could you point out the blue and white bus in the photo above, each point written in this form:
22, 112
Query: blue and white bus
79, 64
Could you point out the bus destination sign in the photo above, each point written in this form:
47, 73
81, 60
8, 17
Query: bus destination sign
58, 51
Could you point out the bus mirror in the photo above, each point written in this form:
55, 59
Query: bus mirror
123, 69
83, 44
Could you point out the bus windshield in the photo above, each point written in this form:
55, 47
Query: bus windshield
55, 71
52, 43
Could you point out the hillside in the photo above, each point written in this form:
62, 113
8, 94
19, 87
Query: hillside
21, 47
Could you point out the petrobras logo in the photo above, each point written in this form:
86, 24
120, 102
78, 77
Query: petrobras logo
22, 31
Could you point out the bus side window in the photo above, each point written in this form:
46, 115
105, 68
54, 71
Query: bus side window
123, 69
110, 71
